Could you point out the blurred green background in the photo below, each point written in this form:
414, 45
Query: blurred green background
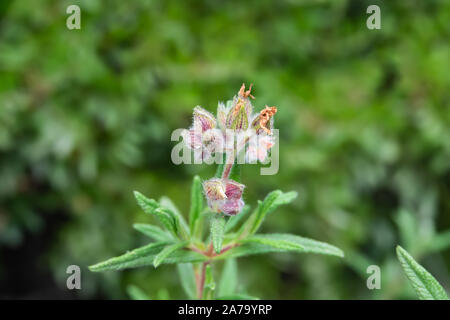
86, 117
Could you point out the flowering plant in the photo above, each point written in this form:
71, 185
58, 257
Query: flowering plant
233, 232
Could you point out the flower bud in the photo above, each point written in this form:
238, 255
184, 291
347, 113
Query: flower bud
237, 118
203, 119
240, 111
224, 195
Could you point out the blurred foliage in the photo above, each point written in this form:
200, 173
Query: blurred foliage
364, 119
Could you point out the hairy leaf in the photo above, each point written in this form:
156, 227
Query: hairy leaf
180, 222
167, 251
138, 257
152, 207
144, 256
187, 278
425, 285
153, 232
217, 231
280, 243
229, 280
196, 207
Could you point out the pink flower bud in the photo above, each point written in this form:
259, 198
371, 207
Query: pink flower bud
204, 119
224, 195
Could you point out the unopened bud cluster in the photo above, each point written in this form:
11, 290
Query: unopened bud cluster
208, 136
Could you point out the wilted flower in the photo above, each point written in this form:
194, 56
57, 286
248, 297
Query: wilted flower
224, 195
263, 122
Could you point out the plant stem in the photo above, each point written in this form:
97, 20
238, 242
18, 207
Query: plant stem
201, 280
227, 169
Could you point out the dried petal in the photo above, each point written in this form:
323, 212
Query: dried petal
263, 121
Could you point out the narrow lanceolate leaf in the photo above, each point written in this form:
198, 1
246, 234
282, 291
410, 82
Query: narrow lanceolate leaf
180, 222
153, 232
237, 297
196, 207
167, 251
289, 242
229, 280
233, 221
138, 257
136, 293
187, 278
144, 256
269, 204
210, 284
425, 285
217, 231
280, 243
152, 207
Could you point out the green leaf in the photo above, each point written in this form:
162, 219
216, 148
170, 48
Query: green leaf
180, 222
136, 293
229, 280
152, 207
280, 243
425, 285
144, 256
187, 278
210, 284
233, 221
167, 251
138, 257
153, 232
196, 208
217, 231
237, 297
269, 204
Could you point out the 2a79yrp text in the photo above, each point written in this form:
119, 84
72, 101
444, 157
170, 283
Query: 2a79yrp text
226, 309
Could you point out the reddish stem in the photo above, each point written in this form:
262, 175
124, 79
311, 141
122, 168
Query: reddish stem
201, 280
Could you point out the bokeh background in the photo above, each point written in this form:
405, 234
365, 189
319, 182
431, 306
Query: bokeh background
86, 117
